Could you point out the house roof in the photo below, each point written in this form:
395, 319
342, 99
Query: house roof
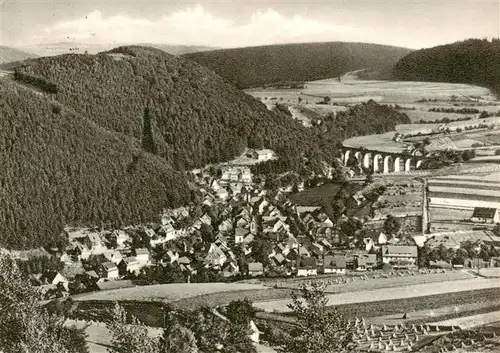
109, 265
279, 258
306, 262
107, 285
484, 212
142, 251
399, 250
255, 267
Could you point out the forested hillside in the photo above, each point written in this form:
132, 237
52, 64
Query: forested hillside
58, 167
197, 117
8, 55
90, 138
473, 61
258, 66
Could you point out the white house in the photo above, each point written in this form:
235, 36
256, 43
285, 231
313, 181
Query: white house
263, 155
400, 256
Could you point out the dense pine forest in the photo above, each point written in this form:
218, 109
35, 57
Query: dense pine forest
265, 65
58, 167
474, 61
103, 139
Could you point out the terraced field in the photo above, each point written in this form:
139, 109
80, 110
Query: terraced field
464, 192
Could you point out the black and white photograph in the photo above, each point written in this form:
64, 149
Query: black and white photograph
237, 176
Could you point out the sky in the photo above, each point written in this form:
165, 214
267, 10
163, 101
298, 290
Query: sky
235, 23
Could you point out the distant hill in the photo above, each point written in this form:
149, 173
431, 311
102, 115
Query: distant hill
473, 61
8, 55
51, 49
258, 66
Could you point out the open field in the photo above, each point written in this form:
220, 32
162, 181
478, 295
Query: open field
410, 291
167, 292
414, 307
315, 196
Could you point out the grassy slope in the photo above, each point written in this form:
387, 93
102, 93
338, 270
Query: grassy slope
257, 66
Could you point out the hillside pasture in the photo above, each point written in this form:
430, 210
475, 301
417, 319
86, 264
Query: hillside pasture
167, 292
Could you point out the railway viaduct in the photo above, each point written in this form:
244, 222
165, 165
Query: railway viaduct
381, 162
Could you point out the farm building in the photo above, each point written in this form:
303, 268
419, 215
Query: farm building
306, 267
400, 256
485, 215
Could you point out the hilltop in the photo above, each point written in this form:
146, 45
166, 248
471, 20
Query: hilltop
264, 65
474, 61
8, 55
198, 118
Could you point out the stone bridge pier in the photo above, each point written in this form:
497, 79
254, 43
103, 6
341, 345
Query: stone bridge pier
381, 162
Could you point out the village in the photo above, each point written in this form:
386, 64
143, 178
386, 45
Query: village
240, 229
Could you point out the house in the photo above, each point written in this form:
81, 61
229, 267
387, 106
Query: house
400, 256
306, 267
114, 256
485, 215
143, 256
255, 333
263, 155
255, 269
55, 278
365, 262
109, 270
334, 264
240, 234
215, 257
279, 259
230, 269
129, 264
382, 238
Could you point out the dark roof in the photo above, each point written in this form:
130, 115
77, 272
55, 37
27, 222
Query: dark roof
106, 285
306, 262
484, 212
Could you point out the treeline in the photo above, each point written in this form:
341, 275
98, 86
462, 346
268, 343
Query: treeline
453, 110
37, 82
60, 168
267, 65
443, 120
473, 61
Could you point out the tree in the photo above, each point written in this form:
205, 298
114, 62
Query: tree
148, 143
240, 312
27, 327
320, 329
392, 225
130, 338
